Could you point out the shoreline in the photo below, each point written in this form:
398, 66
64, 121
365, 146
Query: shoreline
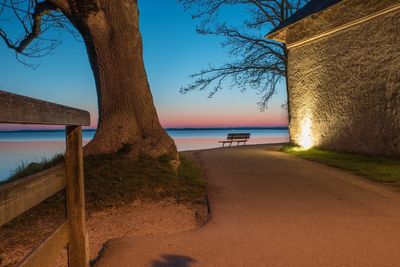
166, 129
15, 152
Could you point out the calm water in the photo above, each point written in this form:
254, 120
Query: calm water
29, 146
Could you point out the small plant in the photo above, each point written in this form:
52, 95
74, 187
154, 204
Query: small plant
25, 168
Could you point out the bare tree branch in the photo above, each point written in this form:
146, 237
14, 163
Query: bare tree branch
41, 9
35, 19
258, 63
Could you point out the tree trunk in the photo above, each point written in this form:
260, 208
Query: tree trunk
127, 115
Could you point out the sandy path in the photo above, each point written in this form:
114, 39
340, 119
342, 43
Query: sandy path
271, 209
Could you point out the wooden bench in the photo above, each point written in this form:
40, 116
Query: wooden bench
236, 137
18, 196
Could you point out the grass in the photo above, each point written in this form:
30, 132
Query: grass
113, 179
25, 169
379, 169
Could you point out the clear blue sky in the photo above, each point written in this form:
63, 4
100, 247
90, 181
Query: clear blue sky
172, 51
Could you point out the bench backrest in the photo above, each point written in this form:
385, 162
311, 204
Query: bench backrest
233, 136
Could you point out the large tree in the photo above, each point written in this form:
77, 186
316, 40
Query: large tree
110, 31
257, 63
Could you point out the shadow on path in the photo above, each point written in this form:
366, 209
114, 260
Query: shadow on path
173, 261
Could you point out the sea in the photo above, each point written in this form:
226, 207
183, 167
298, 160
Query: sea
17, 147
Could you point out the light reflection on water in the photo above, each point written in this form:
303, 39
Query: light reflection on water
33, 146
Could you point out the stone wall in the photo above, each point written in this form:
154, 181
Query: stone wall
345, 89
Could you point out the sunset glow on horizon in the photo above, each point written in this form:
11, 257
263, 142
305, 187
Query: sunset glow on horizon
234, 119
187, 121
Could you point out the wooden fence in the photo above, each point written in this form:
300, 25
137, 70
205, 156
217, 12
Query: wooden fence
21, 195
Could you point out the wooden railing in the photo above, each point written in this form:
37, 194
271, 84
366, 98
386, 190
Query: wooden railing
21, 195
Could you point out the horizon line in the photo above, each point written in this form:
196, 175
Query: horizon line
166, 128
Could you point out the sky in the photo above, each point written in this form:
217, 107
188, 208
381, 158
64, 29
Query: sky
172, 51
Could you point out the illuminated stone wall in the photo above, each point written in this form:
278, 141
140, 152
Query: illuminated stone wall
345, 89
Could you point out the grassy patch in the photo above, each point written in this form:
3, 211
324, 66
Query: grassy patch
114, 180
25, 169
379, 169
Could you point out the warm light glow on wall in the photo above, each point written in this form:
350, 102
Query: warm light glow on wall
306, 138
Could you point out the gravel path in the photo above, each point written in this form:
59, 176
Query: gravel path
272, 209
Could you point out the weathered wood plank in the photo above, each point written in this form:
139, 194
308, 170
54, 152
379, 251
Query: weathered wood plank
46, 253
78, 249
26, 110
23, 194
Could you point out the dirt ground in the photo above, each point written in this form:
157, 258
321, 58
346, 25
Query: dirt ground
141, 219
136, 220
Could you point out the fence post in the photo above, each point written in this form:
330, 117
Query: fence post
78, 249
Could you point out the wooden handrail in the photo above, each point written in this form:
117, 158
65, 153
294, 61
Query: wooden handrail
25, 110
21, 195
47, 252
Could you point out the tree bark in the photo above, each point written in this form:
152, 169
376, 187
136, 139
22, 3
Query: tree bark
127, 115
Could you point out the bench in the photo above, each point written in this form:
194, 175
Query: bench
236, 137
